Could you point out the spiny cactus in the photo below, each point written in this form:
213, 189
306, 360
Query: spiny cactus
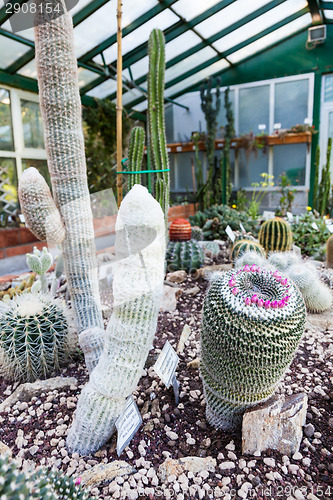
40, 262
25, 286
210, 248
180, 230
61, 111
275, 234
186, 255
244, 245
283, 260
137, 290
253, 320
135, 156
156, 122
329, 252
43, 484
250, 258
34, 336
317, 296
197, 233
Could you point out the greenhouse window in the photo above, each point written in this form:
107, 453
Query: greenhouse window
33, 131
6, 132
328, 91
8, 185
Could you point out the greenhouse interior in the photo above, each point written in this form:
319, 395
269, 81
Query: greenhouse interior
166, 249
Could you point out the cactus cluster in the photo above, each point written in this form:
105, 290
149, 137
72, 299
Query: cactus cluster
250, 258
210, 248
186, 255
25, 286
253, 320
283, 260
317, 296
135, 156
276, 235
43, 484
196, 233
35, 338
242, 246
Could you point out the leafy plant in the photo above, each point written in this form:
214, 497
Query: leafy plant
306, 236
257, 196
287, 196
241, 201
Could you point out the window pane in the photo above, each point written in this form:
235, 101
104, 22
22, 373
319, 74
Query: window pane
291, 103
253, 109
8, 185
328, 96
6, 132
250, 167
291, 160
41, 166
33, 131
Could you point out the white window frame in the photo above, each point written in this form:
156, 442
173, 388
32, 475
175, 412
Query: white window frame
325, 109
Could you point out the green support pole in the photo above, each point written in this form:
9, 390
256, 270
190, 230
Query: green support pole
149, 174
315, 137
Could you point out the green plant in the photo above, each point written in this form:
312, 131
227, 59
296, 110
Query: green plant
316, 180
329, 252
242, 246
186, 255
252, 323
200, 184
196, 233
229, 133
135, 156
257, 196
241, 201
317, 296
157, 136
310, 233
287, 196
44, 484
252, 143
40, 262
34, 336
325, 183
25, 286
276, 234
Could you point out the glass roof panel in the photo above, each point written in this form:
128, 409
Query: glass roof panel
140, 68
190, 9
142, 106
181, 43
275, 36
189, 63
10, 51
259, 24
228, 16
131, 96
328, 14
201, 75
29, 69
104, 89
86, 76
29, 34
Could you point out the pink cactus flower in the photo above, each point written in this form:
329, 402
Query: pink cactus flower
281, 303
253, 268
276, 274
258, 269
232, 282
78, 481
235, 291
267, 304
260, 303
246, 268
254, 299
275, 304
285, 282
247, 301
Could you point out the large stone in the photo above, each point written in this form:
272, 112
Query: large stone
207, 271
176, 277
105, 472
169, 299
25, 392
187, 464
322, 321
183, 339
4, 449
275, 424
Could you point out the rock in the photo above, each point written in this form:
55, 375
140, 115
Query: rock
169, 299
4, 449
183, 339
205, 272
105, 472
187, 464
25, 392
309, 430
192, 291
227, 465
275, 424
176, 277
194, 363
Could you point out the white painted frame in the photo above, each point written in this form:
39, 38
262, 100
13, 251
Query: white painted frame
325, 109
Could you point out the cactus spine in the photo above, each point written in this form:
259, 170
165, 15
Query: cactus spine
186, 255
135, 155
243, 246
329, 252
156, 122
253, 320
61, 110
275, 234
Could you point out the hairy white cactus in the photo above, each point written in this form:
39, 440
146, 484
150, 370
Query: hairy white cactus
137, 290
317, 296
40, 262
283, 260
250, 258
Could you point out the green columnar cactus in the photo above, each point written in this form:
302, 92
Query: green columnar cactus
253, 320
43, 485
329, 252
243, 246
275, 234
135, 155
325, 183
283, 260
137, 290
317, 296
196, 233
40, 262
61, 111
316, 180
34, 337
186, 255
156, 122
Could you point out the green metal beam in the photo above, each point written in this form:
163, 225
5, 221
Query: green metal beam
164, 4
17, 38
18, 81
316, 15
326, 6
4, 11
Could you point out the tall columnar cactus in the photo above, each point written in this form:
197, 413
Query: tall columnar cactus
325, 183
156, 121
61, 110
34, 336
276, 234
253, 320
329, 252
137, 290
40, 262
243, 246
317, 296
186, 255
135, 155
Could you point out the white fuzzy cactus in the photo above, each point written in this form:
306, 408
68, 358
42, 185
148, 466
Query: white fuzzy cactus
317, 296
40, 262
250, 258
137, 290
283, 260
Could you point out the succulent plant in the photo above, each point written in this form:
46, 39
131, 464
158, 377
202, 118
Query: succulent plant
275, 235
283, 260
34, 337
186, 255
317, 296
196, 233
135, 155
250, 258
25, 286
329, 252
253, 320
210, 248
180, 230
40, 262
243, 246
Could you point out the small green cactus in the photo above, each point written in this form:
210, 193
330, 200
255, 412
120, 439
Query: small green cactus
275, 235
40, 262
245, 245
329, 252
317, 296
197, 233
186, 255
135, 155
34, 337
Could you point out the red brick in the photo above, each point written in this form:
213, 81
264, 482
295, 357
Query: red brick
18, 250
9, 237
26, 236
2, 254
8, 277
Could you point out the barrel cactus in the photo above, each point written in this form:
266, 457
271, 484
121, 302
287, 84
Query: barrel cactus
186, 255
242, 246
283, 260
210, 248
197, 233
317, 296
180, 230
276, 235
35, 338
329, 252
253, 320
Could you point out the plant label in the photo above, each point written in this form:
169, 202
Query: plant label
230, 233
261, 126
268, 215
22, 219
175, 385
330, 228
127, 424
314, 225
166, 364
290, 217
242, 228
277, 126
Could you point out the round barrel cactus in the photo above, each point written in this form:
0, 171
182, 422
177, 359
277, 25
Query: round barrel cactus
197, 233
276, 235
186, 255
253, 320
243, 246
180, 230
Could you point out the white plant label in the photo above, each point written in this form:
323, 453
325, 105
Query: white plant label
242, 228
127, 424
268, 215
330, 228
261, 126
166, 364
277, 126
314, 225
22, 219
230, 233
290, 216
